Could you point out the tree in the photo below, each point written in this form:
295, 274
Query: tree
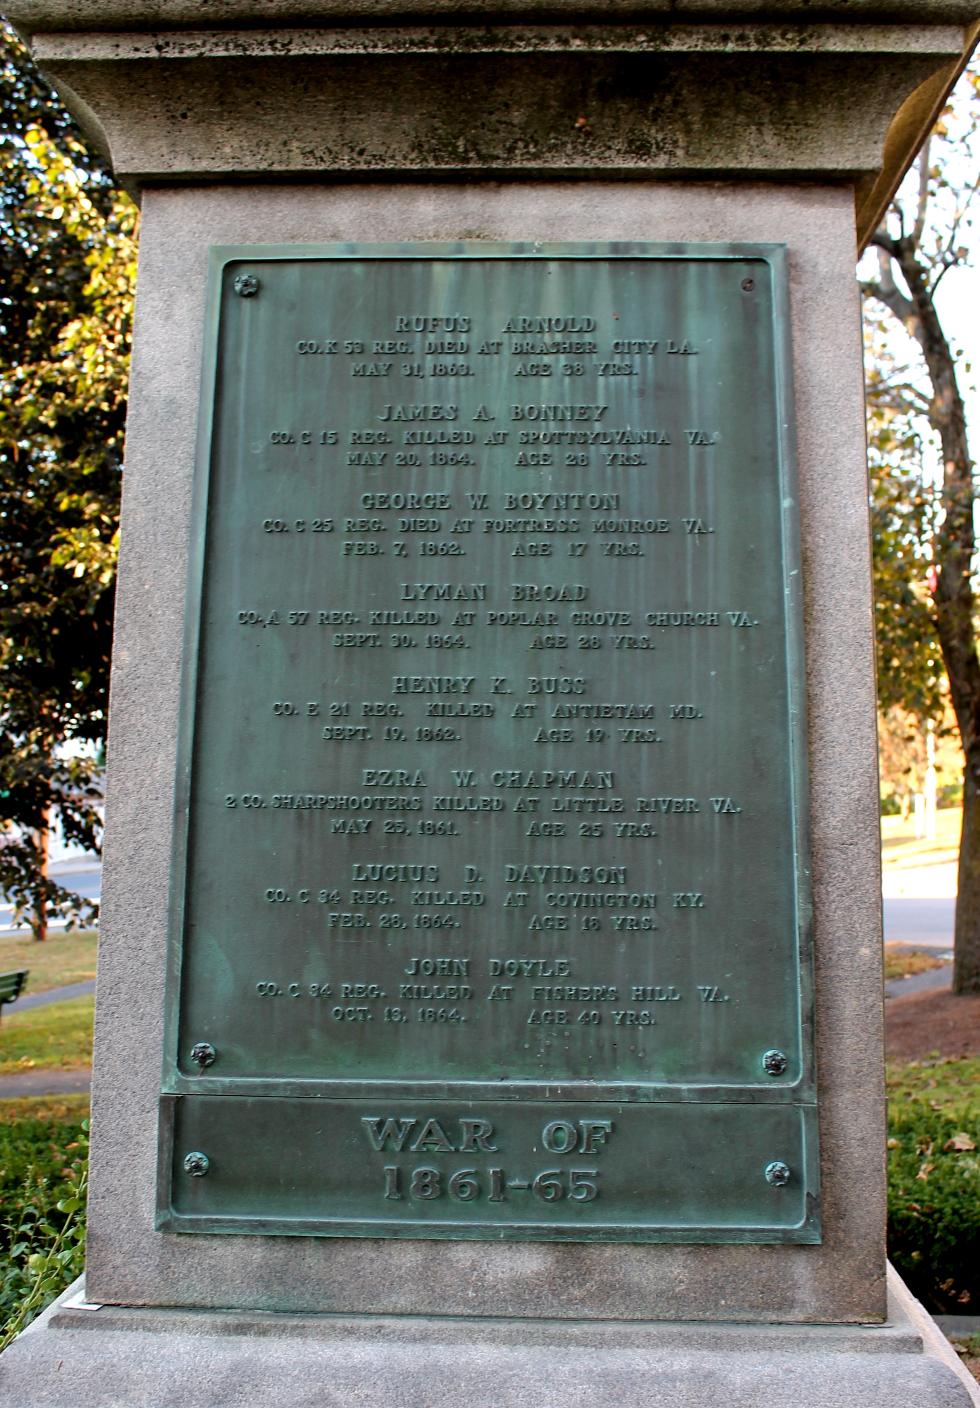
67, 267
924, 532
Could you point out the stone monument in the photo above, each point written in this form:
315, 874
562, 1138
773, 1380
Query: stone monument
489, 1002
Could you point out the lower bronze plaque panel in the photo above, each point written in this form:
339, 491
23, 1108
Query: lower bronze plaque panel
545, 1170
491, 911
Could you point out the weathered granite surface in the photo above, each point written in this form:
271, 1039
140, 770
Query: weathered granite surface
131, 1263
178, 90
141, 14
780, 112
100, 1358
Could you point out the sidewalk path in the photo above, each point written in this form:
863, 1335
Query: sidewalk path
930, 981
43, 999
901, 888
45, 1083
919, 904
919, 882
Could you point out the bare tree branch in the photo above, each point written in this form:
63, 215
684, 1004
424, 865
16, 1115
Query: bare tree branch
881, 239
913, 258
884, 288
922, 207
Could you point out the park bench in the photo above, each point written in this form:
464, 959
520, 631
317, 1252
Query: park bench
11, 987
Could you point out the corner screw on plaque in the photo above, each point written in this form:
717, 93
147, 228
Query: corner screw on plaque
774, 1063
246, 285
204, 1054
748, 285
777, 1173
196, 1164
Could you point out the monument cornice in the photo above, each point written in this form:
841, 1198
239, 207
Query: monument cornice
176, 91
575, 281
37, 16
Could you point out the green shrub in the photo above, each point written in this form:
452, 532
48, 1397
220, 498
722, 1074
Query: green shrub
42, 1216
933, 1199
934, 1205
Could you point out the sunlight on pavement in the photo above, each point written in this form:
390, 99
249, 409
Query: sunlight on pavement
921, 882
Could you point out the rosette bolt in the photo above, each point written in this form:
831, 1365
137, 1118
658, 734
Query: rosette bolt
774, 1063
204, 1054
196, 1163
246, 285
778, 1173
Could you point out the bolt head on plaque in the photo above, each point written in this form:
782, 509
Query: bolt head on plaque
778, 1173
266, 409
196, 1163
774, 1063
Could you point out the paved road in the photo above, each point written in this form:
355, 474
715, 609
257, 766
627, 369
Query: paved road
45, 1083
919, 901
926, 922
933, 980
53, 1082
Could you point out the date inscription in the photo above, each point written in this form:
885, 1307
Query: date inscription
496, 770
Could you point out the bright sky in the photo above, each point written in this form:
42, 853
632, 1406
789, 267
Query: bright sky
958, 298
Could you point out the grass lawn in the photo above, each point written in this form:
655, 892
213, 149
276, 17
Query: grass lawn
900, 847
946, 1085
43, 1153
903, 961
934, 1179
56, 1036
64, 958
934, 1134
65, 1109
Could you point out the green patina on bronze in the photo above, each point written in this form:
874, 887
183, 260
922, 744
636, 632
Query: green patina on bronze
492, 795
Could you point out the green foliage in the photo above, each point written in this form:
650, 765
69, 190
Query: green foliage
933, 1196
902, 961
911, 673
67, 267
934, 1180
42, 1231
912, 753
934, 1204
911, 388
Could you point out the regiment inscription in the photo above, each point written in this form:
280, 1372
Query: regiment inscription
492, 913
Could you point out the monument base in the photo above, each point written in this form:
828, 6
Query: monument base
78, 1355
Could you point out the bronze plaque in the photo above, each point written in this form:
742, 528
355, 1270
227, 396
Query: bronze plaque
491, 911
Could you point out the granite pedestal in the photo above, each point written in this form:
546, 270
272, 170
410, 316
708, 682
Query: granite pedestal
250, 135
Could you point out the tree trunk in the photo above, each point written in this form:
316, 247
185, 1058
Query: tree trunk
953, 599
40, 925
966, 956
